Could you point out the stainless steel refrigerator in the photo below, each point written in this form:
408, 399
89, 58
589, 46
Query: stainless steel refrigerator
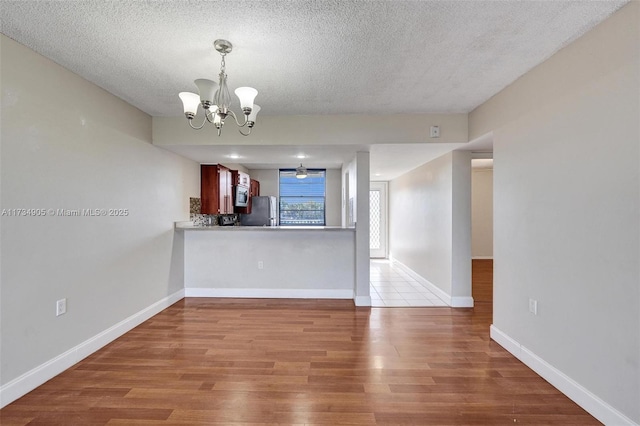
264, 212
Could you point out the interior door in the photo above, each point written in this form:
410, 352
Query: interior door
378, 220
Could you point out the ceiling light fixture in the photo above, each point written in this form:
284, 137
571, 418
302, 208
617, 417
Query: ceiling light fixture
301, 172
215, 99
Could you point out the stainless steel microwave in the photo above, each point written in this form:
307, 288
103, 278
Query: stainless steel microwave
241, 196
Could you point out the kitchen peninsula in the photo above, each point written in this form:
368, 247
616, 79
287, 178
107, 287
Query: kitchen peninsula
268, 262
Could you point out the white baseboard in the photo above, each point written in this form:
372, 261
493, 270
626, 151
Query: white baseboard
429, 285
362, 300
30, 380
270, 293
505, 341
461, 302
482, 257
573, 390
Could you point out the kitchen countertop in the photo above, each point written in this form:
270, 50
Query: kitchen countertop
182, 226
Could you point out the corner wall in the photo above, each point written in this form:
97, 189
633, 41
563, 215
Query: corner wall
67, 144
567, 209
355, 213
482, 213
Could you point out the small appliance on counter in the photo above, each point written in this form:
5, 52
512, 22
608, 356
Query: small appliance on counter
263, 212
209, 220
227, 220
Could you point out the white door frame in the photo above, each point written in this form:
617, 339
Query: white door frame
383, 251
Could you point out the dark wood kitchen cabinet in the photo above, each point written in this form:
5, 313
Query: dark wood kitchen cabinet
254, 188
216, 189
240, 178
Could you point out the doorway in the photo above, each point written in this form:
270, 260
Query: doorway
378, 220
482, 229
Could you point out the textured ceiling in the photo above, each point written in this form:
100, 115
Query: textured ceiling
305, 57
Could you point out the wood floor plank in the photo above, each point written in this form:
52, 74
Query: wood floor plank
482, 272
312, 362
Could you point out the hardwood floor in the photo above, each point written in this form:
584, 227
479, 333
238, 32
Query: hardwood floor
482, 280
288, 362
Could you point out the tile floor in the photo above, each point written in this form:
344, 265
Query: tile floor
392, 287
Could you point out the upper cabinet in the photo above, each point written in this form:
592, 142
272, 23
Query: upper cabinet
254, 188
217, 184
216, 189
241, 178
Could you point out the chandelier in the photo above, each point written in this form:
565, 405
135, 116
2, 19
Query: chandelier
215, 99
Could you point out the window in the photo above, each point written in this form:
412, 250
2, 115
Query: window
302, 200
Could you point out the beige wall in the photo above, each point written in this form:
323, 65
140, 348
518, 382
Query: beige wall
420, 221
333, 208
296, 263
567, 203
67, 144
482, 213
429, 223
268, 181
322, 130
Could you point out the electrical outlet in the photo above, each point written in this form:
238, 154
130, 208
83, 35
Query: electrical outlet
260, 264
435, 132
533, 306
61, 307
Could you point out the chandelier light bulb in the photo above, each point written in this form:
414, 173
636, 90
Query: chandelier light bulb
211, 113
254, 113
190, 102
246, 96
207, 90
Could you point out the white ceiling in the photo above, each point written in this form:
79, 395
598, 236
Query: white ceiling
308, 56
